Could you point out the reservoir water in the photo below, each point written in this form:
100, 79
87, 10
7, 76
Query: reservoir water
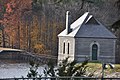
16, 70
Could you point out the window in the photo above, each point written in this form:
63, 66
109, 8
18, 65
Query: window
68, 48
94, 51
64, 48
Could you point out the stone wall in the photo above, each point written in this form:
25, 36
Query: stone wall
71, 42
106, 49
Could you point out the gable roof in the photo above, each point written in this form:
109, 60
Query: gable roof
88, 27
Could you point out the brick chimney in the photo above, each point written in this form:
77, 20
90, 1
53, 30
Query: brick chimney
68, 30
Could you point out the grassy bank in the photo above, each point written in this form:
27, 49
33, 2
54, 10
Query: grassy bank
96, 68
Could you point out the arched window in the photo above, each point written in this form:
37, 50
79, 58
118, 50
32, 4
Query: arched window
68, 48
94, 51
64, 48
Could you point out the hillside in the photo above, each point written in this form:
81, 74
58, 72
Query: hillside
33, 25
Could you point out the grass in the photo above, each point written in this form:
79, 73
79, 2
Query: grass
117, 68
95, 67
98, 66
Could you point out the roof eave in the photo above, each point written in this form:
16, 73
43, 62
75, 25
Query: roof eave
97, 37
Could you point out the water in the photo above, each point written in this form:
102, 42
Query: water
16, 70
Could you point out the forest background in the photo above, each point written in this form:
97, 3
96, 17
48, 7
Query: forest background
33, 25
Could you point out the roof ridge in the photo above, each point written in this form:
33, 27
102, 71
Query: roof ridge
80, 29
81, 19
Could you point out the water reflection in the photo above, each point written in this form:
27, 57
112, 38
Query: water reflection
15, 70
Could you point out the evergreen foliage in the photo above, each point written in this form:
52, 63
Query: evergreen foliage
72, 68
50, 70
67, 68
33, 70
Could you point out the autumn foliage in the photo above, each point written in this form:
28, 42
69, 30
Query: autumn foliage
27, 29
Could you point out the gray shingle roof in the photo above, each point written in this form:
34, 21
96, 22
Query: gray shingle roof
97, 31
88, 26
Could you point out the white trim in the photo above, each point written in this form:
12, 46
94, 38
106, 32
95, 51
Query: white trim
66, 46
107, 56
94, 42
66, 41
66, 55
1, 50
83, 56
